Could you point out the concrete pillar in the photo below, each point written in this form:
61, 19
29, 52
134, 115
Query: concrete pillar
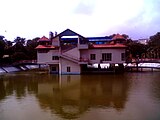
78, 40
60, 68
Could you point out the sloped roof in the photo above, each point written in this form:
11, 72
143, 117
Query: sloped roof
118, 36
68, 32
96, 46
45, 47
43, 39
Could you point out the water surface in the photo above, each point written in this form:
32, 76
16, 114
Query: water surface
42, 96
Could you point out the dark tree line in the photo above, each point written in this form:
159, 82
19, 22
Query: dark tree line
136, 49
19, 49
22, 49
149, 50
154, 45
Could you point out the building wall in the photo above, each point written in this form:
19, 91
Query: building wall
84, 54
116, 55
74, 67
55, 41
74, 53
46, 58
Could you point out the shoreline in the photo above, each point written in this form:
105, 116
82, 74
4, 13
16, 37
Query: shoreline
12, 68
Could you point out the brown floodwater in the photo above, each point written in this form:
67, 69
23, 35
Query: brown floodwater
43, 96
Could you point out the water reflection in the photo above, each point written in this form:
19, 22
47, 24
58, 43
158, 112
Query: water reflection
155, 87
105, 91
70, 96
67, 96
39, 95
2, 89
19, 85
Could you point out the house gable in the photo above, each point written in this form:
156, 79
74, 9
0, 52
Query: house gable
68, 32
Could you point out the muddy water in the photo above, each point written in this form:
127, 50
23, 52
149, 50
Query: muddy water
42, 96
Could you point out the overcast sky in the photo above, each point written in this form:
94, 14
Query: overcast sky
35, 18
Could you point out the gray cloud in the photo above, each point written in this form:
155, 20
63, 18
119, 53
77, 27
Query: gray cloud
145, 24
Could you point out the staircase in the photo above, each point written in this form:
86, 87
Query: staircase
69, 57
66, 48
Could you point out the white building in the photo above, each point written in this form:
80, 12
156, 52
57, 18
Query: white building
143, 41
71, 53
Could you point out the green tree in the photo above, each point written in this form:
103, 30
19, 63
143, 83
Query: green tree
19, 44
154, 46
136, 49
18, 56
30, 46
19, 40
155, 40
19, 50
2, 46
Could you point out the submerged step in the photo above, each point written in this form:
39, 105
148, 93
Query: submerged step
11, 69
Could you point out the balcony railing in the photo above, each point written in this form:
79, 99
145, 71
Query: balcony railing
83, 61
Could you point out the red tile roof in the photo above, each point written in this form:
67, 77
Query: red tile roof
108, 46
45, 47
118, 36
43, 39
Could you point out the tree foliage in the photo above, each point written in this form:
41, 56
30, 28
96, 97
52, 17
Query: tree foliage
136, 49
22, 49
154, 43
155, 40
30, 46
19, 49
2, 46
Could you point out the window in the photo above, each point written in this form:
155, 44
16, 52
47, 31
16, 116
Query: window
92, 56
68, 69
54, 68
106, 56
55, 58
123, 56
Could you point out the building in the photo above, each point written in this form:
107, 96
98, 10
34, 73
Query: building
143, 41
71, 53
